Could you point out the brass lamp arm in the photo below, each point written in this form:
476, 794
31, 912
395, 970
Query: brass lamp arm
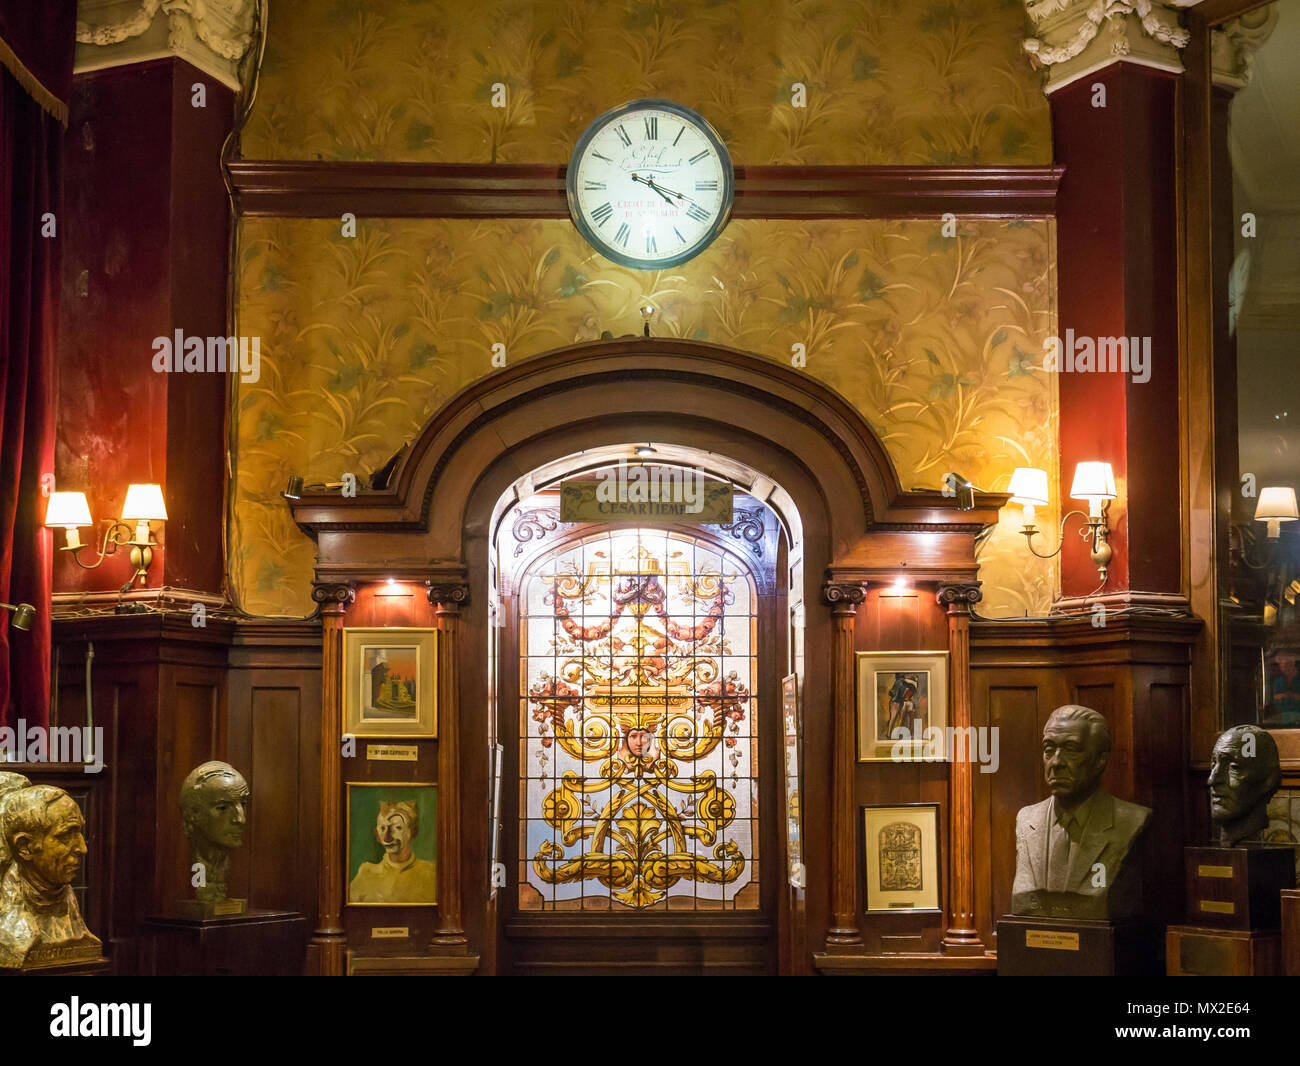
117, 534
1094, 530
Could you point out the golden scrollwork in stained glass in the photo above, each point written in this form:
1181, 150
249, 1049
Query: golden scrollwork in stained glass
645, 706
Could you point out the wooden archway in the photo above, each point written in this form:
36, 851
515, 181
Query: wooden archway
859, 529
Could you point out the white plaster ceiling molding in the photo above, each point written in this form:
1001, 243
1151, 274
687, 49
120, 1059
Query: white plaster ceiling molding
1233, 45
1074, 38
212, 35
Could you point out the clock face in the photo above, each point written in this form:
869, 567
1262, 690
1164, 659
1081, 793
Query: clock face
650, 184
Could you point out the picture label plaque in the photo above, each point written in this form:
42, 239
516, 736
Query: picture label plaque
1214, 871
393, 752
1218, 906
390, 932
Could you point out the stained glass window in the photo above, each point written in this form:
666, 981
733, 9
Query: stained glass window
638, 734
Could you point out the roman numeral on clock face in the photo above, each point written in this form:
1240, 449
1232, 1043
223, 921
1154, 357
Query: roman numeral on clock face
622, 136
702, 186
598, 186
698, 213
652, 128
600, 215
650, 247
597, 155
679, 136
624, 231
698, 156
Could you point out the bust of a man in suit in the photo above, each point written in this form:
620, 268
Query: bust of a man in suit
1071, 848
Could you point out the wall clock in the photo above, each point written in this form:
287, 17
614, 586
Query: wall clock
650, 184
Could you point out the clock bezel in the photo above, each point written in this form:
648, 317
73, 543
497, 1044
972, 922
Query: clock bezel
597, 126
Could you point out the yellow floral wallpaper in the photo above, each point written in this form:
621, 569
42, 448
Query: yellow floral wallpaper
885, 81
363, 338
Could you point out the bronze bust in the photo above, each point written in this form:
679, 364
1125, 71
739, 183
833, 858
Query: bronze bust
214, 798
1071, 847
40, 922
9, 782
1244, 773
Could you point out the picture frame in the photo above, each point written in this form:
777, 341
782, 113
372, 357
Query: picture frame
494, 816
902, 706
409, 813
390, 682
902, 859
793, 762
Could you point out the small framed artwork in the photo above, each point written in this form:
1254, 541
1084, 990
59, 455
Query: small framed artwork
902, 853
494, 816
902, 706
392, 835
390, 681
793, 817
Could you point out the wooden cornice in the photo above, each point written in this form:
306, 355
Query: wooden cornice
316, 189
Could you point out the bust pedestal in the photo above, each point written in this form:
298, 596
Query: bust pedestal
1074, 947
1234, 912
258, 943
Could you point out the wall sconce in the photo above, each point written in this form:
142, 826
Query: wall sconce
144, 504
1094, 482
1276, 505
23, 614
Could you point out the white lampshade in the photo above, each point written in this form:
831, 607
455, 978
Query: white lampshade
69, 509
144, 503
1275, 504
1093, 481
1029, 485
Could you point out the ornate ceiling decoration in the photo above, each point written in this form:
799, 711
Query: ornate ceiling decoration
212, 35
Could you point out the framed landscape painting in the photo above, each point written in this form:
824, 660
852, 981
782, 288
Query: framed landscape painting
390, 680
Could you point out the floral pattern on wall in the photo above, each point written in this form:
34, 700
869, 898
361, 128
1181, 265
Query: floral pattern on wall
885, 81
934, 339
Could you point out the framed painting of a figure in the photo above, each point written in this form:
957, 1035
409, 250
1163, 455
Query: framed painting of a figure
902, 706
390, 682
392, 837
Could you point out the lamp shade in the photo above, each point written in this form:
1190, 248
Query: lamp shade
144, 503
1276, 504
69, 509
1029, 485
1093, 481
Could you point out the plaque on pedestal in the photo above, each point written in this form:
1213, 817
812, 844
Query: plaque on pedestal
96, 967
1238, 888
1070, 947
258, 943
1194, 952
198, 910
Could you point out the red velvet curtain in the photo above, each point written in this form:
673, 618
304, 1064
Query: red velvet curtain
36, 43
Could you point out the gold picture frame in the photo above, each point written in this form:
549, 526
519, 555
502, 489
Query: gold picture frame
902, 706
901, 850
793, 802
413, 807
390, 682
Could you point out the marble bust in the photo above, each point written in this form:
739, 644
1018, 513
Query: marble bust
214, 800
40, 922
1071, 848
1244, 773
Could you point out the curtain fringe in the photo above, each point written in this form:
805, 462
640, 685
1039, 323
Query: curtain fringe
47, 100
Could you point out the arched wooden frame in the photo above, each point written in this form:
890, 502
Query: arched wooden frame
858, 525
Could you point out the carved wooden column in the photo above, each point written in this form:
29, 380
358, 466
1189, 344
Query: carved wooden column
962, 938
328, 941
449, 939
843, 936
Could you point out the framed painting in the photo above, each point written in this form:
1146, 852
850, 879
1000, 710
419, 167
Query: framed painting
902, 706
901, 845
392, 837
793, 807
390, 681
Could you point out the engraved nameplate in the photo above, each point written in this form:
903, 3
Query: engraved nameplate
228, 906
1043, 938
1218, 906
903, 906
1214, 871
389, 932
393, 752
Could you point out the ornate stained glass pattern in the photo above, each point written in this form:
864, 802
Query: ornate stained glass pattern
638, 734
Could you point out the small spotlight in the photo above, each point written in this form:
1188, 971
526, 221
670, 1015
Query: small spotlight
900, 584
644, 451
23, 614
391, 582
294, 489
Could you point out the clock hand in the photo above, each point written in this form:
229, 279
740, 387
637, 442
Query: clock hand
656, 188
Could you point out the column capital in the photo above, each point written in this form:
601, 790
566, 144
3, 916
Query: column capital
448, 594
959, 595
331, 593
1075, 38
1234, 44
844, 597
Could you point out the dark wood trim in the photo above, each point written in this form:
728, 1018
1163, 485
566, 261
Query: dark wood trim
309, 189
1213, 12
